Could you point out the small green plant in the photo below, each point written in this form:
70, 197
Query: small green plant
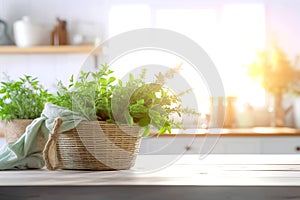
148, 103
22, 99
273, 70
90, 95
98, 96
278, 76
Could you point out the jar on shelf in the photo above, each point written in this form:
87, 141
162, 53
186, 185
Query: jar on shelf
59, 35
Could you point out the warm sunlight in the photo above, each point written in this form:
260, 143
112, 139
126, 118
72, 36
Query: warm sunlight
242, 34
231, 41
230, 35
124, 18
156, 61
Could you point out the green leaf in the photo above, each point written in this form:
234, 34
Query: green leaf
154, 114
138, 111
144, 121
103, 81
169, 129
110, 80
131, 78
141, 102
72, 78
2, 90
146, 131
162, 130
120, 82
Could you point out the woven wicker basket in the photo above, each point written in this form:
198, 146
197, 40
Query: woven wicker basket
95, 145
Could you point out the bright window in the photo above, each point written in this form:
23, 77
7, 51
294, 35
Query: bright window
242, 33
124, 18
230, 34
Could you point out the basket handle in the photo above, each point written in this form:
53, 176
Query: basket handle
50, 153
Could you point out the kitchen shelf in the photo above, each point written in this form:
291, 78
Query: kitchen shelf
46, 49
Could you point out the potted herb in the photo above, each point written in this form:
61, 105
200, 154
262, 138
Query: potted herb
97, 96
277, 75
115, 112
21, 101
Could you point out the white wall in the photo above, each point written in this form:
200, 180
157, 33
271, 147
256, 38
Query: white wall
90, 14
283, 24
282, 20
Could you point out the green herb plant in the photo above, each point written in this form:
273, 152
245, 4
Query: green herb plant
274, 71
148, 104
98, 96
90, 95
22, 99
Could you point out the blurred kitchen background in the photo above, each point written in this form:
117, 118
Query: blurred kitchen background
230, 31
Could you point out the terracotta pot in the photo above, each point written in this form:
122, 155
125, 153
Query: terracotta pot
14, 129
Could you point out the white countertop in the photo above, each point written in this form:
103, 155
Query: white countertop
246, 177
214, 170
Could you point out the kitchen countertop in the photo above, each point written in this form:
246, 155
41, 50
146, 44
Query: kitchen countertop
255, 131
225, 170
168, 176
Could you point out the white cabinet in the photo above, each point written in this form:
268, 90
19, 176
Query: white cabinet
222, 145
280, 145
168, 145
199, 145
238, 145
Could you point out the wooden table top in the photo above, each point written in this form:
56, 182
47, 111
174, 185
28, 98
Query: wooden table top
231, 132
188, 170
237, 132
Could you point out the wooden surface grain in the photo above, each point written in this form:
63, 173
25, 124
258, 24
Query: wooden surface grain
233, 132
236, 132
191, 170
46, 49
235, 177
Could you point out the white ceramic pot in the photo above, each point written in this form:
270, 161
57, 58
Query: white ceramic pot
29, 33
